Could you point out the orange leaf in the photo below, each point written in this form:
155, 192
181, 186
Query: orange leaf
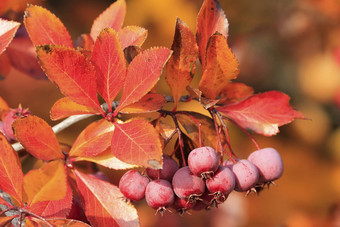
107, 159
72, 72
94, 139
149, 103
181, 66
263, 113
221, 67
7, 32
34, 222
112, 17
65, 107
3, 107
108, 58
5, 66
11, 177
47, 183
137, 142
104, 205
44, 27
143, 73
5, 221
235, 92
132, 36
37, 137
210, 19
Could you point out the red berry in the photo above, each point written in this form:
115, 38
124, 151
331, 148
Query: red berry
170, 166
159, 194
187, 185
222, 183
246, 174
133, 185
10, 117
269, 163
206, 201
182, 205
203, 161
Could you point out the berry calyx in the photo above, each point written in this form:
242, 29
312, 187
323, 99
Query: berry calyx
182, 205
170, 166
133, 185
203, 161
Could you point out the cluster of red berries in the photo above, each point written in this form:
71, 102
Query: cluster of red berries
204, 183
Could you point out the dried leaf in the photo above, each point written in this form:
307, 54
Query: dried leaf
38, 138
7, 32
104, 205
44, 27
181, 66
149, 103
132, 36
137, 142
263, 113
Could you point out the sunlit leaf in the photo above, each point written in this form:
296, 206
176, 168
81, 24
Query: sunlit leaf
11, 177
235, 92
107, 159
181, 66
44, 27
47, 183
4, 221
132, 36
104, 205
7, 32
108, 58
71, 71
210, 19
112, 17
57, 223
65, 107
221, 67
137, 142
94, 139
143, 73
149, 103
262, 113
37, 137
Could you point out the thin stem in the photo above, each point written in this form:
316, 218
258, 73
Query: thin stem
217, 129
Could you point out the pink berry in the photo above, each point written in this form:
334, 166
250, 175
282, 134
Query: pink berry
10, 117
159, 194
269, 163
246, 174
170, 166
203, 161
133, 185
187, 185
222, 183
182, 205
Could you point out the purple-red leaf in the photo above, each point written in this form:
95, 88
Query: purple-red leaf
104, 205
108, 58
44, 27
7, 32
137, 142
262, 113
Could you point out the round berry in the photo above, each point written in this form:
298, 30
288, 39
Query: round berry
159, 194
222, 183
182, 205
269, 163
170, 166
133, 185
246, 174
187, 185
203, 161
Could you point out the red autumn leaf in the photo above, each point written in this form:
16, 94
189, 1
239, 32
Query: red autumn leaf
3, 107
94, 139
47, 183
263, 113
104, 205
5, 66
72, 72
107, 159
137, 142
221, 67
60, 222
38, 138
112, 17
54, 208
235, 92
149, 103
181, 66
85, 42
44, 27
132, 36
142, 74
108, 58
5, 221
65, 107
11, 177
210, 19
21, 53
7, 32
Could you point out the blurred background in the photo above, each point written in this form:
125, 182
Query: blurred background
287, 45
